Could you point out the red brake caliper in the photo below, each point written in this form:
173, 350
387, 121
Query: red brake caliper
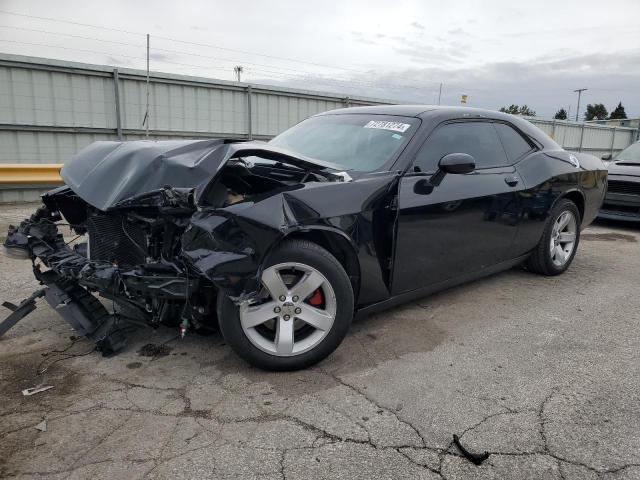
316, 298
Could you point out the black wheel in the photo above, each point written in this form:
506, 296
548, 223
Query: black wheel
557, 247
300, 316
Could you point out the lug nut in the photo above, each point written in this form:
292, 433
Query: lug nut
277, 310
286, 317
295, 298
282, 298
298, 311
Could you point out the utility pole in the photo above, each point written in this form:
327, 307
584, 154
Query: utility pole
579, 91
238, 69
440, 93
146, 115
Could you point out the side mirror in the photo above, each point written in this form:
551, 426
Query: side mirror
606, 157
457, 163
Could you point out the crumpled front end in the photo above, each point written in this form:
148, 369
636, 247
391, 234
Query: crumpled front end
130, 256
160, 256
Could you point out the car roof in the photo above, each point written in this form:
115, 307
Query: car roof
433, 114
420, 111
401, 110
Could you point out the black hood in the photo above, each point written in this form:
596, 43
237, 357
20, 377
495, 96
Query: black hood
106, 173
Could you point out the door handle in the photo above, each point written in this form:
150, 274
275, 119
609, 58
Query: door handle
511, 180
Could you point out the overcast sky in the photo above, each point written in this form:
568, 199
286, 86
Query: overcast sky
497, 52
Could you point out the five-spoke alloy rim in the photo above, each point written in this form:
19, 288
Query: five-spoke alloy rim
294, 312
563, 238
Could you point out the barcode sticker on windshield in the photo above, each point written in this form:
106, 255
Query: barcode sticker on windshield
394, 126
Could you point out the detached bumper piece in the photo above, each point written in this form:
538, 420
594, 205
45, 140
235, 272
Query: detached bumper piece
87, 316
80, 309
27, 306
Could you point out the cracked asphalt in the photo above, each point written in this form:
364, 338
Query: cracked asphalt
543, 373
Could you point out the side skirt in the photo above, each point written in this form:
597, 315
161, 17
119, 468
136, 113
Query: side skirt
436, 287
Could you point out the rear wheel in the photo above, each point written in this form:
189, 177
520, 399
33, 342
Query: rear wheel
559, 241
300, 315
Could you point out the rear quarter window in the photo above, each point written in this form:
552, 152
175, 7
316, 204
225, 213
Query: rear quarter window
514, 144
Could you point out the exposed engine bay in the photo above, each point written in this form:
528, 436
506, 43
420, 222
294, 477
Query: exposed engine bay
142, 254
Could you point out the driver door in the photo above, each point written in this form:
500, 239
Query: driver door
466, 223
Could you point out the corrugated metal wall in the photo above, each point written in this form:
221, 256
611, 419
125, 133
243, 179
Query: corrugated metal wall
50, 109
587, 137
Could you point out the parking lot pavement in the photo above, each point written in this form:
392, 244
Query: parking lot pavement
543, 373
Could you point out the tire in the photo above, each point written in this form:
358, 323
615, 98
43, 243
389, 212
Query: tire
302, 344
543, 259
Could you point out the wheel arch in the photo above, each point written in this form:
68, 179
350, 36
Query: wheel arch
335, 242
577, 197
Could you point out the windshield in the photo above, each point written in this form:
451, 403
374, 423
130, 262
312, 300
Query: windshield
631, 154
359, 142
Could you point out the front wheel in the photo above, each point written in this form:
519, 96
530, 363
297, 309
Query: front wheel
559, 241
300, 315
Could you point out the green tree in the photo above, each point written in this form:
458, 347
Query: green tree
526, 111
596, 111
512, 109
561, 114
518, 110
618, 113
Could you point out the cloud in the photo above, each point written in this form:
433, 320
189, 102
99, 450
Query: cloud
544, 84
429, 55
366, 41
417, 25
160, 57
119, 61
446, 52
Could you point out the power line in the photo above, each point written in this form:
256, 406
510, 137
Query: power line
311, 75
71, 35
108, 53
185, 42
275, 57
420, 88
206, 67
231, 60
244, 52
72, 23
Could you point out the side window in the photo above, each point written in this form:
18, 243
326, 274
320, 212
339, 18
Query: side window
478, 139
512, 141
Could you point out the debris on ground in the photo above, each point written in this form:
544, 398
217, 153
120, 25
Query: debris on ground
475, 458
42, 426
154, 350
27, 392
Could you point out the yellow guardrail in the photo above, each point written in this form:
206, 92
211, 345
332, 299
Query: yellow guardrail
30, 173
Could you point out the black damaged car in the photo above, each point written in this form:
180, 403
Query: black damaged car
282, 243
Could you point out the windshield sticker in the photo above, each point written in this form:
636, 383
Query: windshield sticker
394, 126
396, 136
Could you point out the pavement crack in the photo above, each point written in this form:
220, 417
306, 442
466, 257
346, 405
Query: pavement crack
378, 405
282, 472
542, 420
408, 457
486, 418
